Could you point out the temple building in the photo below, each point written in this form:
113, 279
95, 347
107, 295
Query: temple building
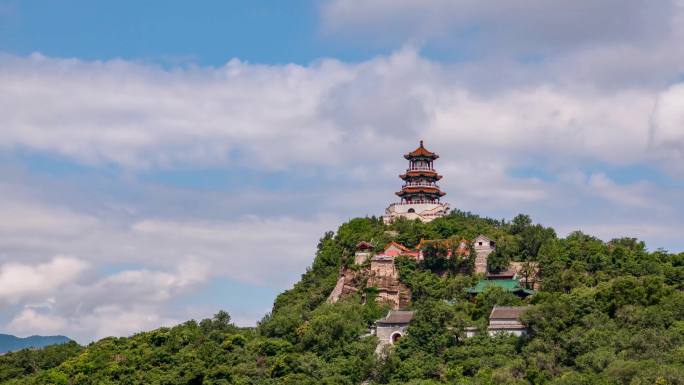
420, 195
363, 252
506, 319
391, 328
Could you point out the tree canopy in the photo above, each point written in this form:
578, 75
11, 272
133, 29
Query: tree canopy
606, 313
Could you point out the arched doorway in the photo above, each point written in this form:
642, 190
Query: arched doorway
394, 338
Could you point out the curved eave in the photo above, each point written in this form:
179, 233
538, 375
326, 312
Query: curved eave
418, 155
425, 174
432, 191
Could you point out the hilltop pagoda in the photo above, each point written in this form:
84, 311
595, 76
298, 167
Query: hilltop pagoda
420, 195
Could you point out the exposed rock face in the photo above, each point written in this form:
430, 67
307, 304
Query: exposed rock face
382, 275
385, 277
337, 291
350, 281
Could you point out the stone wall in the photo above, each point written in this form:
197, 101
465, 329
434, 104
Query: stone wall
426, 212
384, 268
483, 248
361, 257
385, 277
385, 332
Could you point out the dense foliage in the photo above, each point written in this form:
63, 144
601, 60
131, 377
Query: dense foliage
607, 313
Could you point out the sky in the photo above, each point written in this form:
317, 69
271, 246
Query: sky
163, 160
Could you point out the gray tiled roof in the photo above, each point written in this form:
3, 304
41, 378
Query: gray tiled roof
397, 317
507, 312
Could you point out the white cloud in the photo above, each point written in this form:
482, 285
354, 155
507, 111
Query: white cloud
288, 117
21, 216
97, 306
31, 322
570, 124
604, 42
668, 128
639, 194
251, 250
21, 281
107, 321
522, 23
139, 116
103, 321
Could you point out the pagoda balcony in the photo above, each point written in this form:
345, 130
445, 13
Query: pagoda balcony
420, 184
420, 168
417, 202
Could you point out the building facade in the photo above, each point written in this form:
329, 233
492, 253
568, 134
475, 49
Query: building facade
363, 252
391, 328
506, 319
420, 195
483, 247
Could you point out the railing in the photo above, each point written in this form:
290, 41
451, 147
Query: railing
418, 168
420, 184
413, 203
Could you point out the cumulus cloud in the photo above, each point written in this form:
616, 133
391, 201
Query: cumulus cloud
608, 42
86, 307
21, 281
230, 245
31, 322
138, 116
668, 127
529, 23
240, 249
522, 24
280, 117
639, 194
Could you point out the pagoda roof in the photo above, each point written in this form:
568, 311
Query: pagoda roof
421, 152
363, 245
416, 173
420, 189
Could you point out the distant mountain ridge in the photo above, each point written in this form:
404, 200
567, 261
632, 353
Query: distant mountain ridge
10, 343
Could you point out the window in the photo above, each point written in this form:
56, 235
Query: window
479, 243
411, 210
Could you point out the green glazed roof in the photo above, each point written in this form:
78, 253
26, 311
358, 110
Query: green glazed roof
511, 285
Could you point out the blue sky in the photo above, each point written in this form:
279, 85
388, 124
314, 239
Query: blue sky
172, 32
160, 161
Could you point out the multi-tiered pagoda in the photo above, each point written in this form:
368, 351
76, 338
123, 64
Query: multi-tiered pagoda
420, 195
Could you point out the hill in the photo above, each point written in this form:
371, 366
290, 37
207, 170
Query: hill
10, 343
605, 313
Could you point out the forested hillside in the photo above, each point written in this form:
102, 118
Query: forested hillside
607, 313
